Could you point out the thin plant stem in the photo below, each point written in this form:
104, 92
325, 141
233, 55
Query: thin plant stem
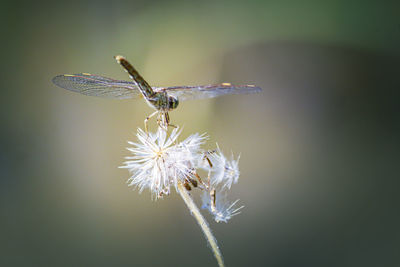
202, 222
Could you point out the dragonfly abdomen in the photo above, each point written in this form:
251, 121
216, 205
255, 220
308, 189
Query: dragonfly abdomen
144, 87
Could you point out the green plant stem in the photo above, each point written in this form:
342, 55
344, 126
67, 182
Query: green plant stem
202, 222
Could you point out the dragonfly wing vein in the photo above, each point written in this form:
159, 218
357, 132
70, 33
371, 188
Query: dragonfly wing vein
209, 91
94, 85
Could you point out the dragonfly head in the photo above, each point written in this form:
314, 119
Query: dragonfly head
173, 102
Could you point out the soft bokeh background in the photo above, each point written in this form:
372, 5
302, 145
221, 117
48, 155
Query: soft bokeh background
319, 146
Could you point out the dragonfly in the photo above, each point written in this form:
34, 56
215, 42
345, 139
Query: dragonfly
162, 99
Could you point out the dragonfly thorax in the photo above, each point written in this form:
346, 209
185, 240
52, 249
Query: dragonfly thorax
162, 101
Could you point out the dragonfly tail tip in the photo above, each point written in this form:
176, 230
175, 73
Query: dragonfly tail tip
118, 58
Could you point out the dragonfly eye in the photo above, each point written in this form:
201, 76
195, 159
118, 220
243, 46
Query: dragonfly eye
173, 102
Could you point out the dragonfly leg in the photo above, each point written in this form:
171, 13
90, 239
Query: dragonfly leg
167, 121
147, 120
166, 118
161, 121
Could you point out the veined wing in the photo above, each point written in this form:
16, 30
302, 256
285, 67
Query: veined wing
209, 91
94, 85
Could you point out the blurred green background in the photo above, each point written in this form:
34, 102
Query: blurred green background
319, 146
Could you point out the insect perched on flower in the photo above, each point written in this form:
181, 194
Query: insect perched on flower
159, 161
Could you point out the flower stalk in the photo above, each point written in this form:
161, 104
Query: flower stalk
159, 162
202, 223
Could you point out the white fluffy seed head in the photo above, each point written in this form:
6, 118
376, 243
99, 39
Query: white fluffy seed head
159, 161
223, 210
223, 172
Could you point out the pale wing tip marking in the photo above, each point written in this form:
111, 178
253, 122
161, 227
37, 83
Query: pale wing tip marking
74, 75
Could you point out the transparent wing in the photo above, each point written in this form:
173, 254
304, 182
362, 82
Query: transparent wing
94, 85
209, 91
